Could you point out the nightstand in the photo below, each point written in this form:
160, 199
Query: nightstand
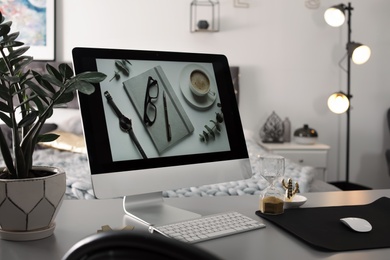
315, 155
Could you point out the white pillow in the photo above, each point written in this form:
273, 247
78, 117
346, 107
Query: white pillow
67, 120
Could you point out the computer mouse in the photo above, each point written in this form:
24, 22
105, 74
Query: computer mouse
357, 224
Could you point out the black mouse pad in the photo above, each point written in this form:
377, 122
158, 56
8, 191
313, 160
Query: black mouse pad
322, 228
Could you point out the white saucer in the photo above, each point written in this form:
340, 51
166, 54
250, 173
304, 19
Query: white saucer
297, 201
27, 235
200, 103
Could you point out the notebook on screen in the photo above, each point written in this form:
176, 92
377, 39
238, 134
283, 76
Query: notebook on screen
179, 123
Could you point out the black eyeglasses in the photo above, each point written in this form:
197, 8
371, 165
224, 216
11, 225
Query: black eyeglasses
150, 109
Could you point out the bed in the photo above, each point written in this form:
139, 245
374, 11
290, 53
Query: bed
69, 153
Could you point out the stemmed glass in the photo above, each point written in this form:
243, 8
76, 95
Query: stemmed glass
271, 169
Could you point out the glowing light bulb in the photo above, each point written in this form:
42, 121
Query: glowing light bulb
338, 103
361, 54
334, 17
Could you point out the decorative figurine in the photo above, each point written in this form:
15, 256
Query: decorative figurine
272, 131
290, 192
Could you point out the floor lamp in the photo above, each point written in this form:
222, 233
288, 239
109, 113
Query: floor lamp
340, 102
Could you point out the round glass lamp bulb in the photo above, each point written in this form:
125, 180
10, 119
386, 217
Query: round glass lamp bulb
334, 17
338, 103
361, 54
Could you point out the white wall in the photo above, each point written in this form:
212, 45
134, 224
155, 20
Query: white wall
288, 58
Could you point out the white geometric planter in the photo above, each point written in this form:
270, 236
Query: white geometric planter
28, 206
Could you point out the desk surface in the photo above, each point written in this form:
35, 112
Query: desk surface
80, 218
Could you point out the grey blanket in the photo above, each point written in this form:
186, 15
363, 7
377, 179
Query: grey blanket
79, 184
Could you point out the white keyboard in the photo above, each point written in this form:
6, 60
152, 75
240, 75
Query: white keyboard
208, 227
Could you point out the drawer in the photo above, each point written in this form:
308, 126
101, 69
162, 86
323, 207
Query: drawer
316, 159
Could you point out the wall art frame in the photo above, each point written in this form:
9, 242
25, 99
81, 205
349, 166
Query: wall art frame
36, 23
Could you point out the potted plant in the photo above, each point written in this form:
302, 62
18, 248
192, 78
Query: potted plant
31, 196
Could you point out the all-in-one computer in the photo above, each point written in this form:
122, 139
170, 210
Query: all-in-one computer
160, 120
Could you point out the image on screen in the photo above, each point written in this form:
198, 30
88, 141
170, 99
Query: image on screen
173, 107
160, 115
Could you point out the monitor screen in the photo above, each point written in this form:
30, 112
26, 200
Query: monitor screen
159, 121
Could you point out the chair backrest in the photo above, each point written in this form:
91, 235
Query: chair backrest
133, 245
387, 154
388, 118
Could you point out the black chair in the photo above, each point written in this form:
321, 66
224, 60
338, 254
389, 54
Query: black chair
387, 154
121, 245
388, 159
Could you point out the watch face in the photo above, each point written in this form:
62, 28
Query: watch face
125, 123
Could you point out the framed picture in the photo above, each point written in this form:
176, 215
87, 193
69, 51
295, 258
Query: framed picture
35, 20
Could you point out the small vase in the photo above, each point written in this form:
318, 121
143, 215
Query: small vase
286, 130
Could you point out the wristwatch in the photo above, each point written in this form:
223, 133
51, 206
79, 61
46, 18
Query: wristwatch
125, 124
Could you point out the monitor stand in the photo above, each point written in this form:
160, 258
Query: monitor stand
151, 209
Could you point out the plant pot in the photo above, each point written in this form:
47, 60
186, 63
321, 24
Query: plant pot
28, 206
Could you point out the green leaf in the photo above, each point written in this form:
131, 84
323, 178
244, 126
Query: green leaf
53, 80
83, 87
46, 85
216, 125
20, 62
54, 72
38, 103
9, 23
18, 52
64, 98
12, 80
29, 119
126, 61
121, 65
5, 108
211, 132
24, 76
91, 77
7, 155
6, 119
10, 44
19, 59
66, 71
34, 98
11, 37
4, 93
50, 137
219, 117
4, 29
116, 76
206, 136
3, 66
37, 89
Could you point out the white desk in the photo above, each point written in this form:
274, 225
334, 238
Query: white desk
80, 218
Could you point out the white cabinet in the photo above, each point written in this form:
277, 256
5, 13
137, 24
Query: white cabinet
315, 155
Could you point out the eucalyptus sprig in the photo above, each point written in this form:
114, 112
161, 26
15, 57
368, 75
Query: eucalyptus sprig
122, 67
212, 131
28, 95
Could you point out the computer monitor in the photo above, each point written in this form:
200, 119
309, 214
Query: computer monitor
146, 131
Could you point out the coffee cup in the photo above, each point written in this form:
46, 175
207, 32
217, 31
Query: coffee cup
199, 83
